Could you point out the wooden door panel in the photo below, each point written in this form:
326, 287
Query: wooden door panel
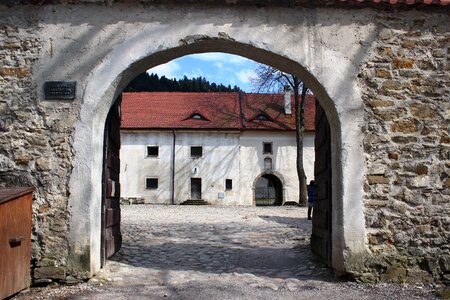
111, 235
321, 242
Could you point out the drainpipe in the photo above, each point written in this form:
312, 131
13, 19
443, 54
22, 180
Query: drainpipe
172, 200
241, 108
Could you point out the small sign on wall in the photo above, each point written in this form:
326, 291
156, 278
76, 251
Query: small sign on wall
221, 195
60, 90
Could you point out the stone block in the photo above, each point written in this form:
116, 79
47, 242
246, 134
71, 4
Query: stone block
14, 72
426, 65
408, 44
390, 114
366, 278
391, 85
447, 183
438, 53
421, 170
377, 179
43, 164
23, 158
444, 263
377, 170
404, 126
394, 274
420, 181
425, 131
43, 208
423, 228
402, 63
393, 155
386, 34
45, 262
403, 139
58, 273
383, 73
380, 103
416, 275
445, 139
409, 73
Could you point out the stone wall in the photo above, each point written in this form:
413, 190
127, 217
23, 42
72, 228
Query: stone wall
35, 148
402, 61
406, 89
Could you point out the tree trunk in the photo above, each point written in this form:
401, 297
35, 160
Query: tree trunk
299, 134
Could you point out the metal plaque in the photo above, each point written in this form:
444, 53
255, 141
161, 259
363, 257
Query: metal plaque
60, 90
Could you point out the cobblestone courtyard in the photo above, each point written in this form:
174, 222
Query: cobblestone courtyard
205, 252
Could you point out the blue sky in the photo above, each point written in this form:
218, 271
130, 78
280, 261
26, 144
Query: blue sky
216, 67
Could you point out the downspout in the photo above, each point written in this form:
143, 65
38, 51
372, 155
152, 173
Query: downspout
241, 112
172, 200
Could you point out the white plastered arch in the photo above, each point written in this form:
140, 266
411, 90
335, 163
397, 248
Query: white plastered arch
341, 102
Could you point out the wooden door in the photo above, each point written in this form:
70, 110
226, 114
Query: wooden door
196, 188
321, 242
111, 235
15, 240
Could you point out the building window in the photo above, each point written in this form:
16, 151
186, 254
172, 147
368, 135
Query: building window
152, 151
267, 164
196, 151
197, 117
228, 184
262, 117
267, 148
151, 183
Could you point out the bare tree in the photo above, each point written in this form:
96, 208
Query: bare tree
269, 79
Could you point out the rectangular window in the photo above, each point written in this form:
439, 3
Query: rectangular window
228, 184
267, 148
151, 183
152, 151
196, 151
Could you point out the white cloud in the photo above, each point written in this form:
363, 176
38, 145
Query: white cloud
168, 69
219, 65
246, 75
221, 57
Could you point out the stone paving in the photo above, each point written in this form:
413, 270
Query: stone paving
189, 241
206, 252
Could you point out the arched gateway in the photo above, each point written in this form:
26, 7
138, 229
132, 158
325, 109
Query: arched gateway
268, 190
382, 156
141, 52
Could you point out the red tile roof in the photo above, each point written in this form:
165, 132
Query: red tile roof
173, 110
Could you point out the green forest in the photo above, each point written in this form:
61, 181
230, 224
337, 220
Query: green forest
153, 83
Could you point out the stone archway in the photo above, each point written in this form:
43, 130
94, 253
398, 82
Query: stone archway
268, 190
115, 71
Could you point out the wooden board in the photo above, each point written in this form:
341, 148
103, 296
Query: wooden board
15, 240
111, 234
321, 242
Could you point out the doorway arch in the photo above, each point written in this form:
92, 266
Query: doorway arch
139, 53
268, 190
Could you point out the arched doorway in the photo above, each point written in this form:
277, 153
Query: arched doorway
268, 191
114, 72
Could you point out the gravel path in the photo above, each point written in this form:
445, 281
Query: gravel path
206, 252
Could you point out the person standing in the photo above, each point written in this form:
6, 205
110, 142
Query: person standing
311, 192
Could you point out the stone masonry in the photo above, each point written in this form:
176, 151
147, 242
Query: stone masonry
403, 78
35, 149
406, 93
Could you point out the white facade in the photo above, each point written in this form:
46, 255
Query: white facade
233, 155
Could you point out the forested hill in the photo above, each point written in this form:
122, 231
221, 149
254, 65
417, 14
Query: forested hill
153, 83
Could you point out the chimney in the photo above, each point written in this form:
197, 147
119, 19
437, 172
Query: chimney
287, 100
